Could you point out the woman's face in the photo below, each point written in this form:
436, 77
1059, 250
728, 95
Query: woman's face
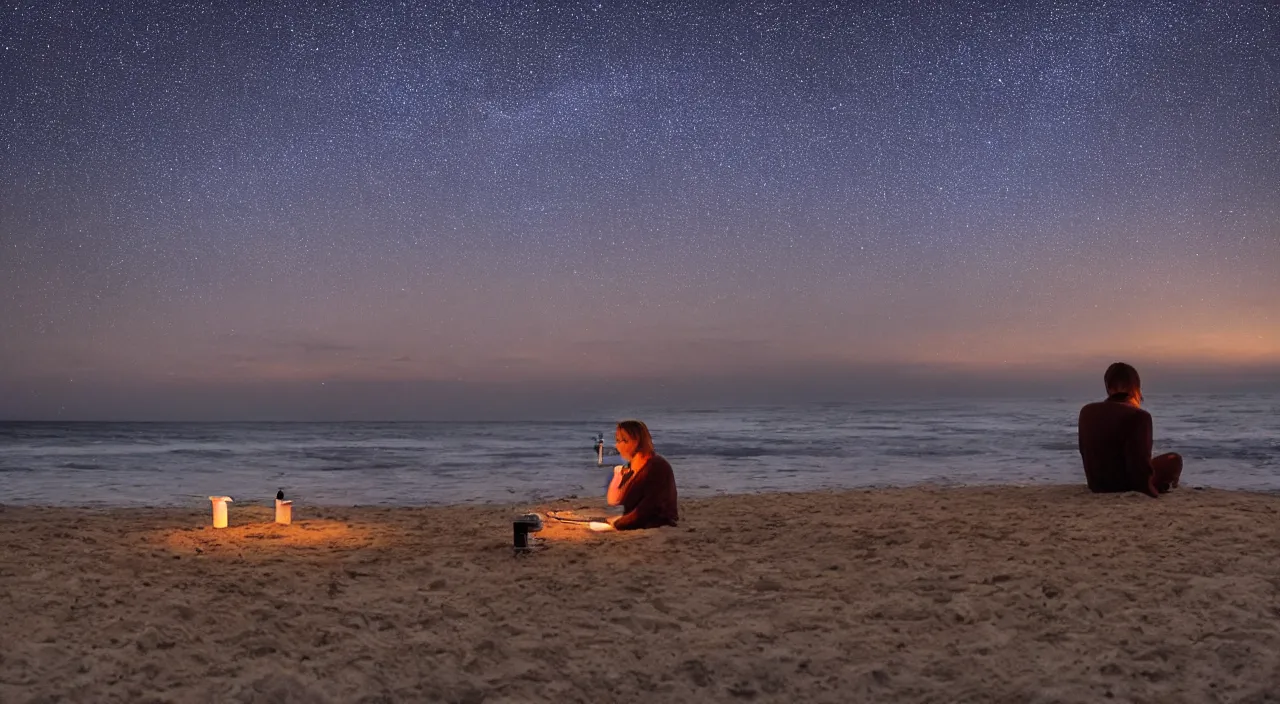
625, 443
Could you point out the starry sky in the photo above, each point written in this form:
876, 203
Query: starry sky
424, 209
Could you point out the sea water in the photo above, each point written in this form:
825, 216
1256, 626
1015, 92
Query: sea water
1228, 441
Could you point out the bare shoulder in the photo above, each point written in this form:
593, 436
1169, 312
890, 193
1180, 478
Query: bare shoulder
1092, 409
1108, 412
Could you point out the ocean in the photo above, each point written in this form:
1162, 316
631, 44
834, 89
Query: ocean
1228, 441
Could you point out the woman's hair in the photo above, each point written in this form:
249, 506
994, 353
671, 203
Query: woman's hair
638, 431
1122, 378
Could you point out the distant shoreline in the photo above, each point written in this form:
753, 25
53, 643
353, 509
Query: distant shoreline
185, 507
1227, 444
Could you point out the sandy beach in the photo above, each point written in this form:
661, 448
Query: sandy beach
1009, 594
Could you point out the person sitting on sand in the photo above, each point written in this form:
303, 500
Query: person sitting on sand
1115, 440
646, 489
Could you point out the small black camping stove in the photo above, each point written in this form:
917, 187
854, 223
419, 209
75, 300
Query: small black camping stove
521, 528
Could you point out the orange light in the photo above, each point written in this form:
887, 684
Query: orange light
264, 538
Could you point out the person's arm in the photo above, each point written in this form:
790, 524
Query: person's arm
643, 508
618, 485
1137, 458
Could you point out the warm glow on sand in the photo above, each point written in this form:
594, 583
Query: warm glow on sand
554, 531
258, 537
254, 534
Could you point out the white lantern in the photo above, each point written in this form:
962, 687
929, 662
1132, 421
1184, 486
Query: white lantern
220, 510
284, 512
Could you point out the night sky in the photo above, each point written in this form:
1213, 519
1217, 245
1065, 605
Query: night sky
397, 210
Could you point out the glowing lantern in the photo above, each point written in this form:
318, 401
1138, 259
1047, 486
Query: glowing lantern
220, 510
284, 512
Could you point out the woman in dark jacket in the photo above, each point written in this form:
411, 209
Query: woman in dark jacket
647, 489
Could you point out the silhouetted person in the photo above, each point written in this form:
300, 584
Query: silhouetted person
1115, 440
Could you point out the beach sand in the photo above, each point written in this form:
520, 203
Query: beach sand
1008, 594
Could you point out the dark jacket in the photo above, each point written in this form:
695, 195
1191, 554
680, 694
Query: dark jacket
649, 497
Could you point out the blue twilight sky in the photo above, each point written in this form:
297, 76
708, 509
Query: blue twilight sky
377, 209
